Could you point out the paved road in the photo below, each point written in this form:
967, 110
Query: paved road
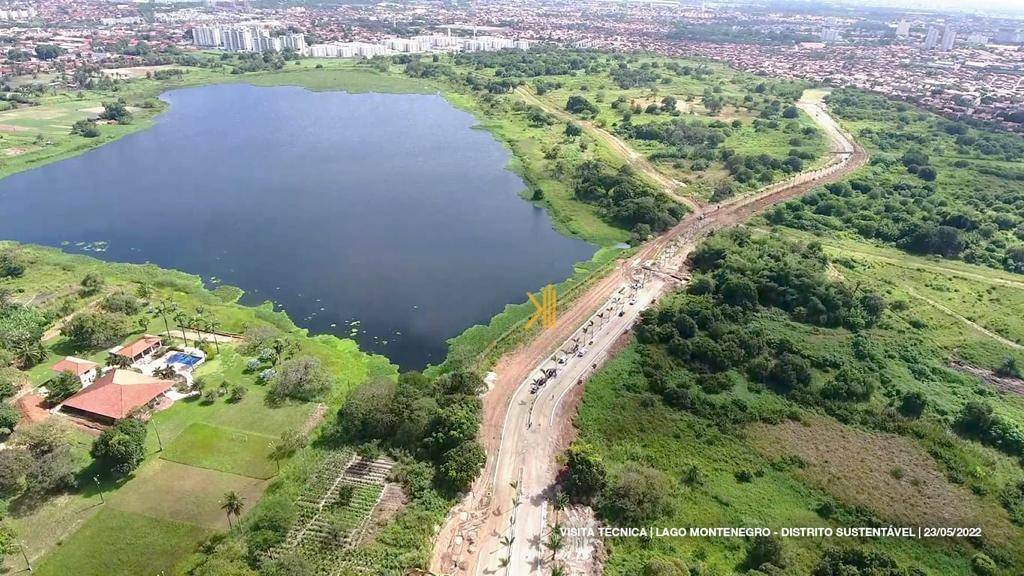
500, 526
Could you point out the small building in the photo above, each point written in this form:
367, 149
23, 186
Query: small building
86, 370
115, 395
139, 349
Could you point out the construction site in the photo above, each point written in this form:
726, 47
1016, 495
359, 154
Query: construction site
500, 525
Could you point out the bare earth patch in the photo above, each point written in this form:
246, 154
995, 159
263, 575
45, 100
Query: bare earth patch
1006, 384
885, 473
392, 501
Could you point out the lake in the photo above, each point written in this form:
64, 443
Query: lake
384, 213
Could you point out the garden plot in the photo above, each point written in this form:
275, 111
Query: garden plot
334, 508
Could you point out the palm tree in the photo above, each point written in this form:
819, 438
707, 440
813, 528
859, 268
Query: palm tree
30, 352
212, 326
555, 541
504, 562
291, 442
558, 571
162, 309
232, 506
182, 319
561, 503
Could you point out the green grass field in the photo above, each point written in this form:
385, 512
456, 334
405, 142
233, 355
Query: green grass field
213, 447
176, 492
115, 542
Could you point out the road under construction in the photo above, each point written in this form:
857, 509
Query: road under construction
500, 525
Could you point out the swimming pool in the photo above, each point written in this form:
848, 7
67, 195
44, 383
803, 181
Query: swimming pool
184, 359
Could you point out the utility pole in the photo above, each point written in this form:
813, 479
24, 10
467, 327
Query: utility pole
159, 442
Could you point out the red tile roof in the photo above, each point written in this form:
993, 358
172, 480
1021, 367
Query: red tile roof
117, 393
138, 347
76, 366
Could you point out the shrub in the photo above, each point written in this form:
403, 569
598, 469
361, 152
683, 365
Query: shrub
122, 447
765, 550
912, 404
62, 386
9, 417
11, 265
122, 302
638, 495
301, 378
90, 330
585, 473
237, 393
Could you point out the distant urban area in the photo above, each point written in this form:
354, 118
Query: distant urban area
960, 65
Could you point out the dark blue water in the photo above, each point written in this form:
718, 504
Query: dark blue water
390, 210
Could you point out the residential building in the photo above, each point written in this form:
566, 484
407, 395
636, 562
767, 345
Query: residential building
84, 370
1008, 36
263, 41
206, 36
932, 38
237, 39
296, 42
115, 396
902, 29
139, 349
948, 38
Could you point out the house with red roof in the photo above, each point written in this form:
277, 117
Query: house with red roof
140, 349
86, 370
115, 395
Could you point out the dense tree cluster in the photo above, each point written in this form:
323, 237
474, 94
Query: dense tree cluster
768, 272
581, 106
710, 329
255, 61
38, 461
538, 61
625, 199
974, 211
910, 216
116, 111
48, 51
436, 420
300, 378
86, 128
93, 330
978, 420
857, 562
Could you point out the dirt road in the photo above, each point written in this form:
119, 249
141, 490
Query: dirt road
500, 526
638, 161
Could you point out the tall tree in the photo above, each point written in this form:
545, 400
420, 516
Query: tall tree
232, 506
162, 309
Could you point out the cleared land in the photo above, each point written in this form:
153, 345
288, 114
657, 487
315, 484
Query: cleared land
216, 448
179, 493
112, 542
